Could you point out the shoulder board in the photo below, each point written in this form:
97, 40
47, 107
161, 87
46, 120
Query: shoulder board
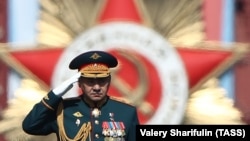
121, 99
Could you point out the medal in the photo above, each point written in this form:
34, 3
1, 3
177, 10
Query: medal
96, 112
78, 122
111, 116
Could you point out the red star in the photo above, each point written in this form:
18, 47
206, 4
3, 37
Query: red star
201, 64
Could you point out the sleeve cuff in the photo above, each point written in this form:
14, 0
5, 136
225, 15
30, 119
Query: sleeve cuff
51, 100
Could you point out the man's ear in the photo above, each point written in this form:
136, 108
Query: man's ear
79, 81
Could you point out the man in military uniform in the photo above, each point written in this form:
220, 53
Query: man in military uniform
91, 116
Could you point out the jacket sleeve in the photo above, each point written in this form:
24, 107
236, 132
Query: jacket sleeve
42, 117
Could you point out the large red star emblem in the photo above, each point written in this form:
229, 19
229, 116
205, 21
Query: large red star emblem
201, 61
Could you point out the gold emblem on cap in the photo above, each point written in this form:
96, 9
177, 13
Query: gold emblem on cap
95, 56
78, 114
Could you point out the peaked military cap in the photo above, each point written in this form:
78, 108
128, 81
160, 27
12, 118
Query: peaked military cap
94, 64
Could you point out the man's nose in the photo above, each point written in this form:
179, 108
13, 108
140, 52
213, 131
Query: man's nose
97, 86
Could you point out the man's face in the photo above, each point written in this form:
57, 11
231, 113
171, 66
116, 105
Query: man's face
95, 89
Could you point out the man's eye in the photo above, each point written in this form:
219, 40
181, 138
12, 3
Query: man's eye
91, 82
100, 81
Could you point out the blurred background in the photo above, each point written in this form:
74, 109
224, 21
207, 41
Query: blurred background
220, 25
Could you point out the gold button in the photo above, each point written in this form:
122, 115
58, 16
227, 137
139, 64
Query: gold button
96, 122
96, 135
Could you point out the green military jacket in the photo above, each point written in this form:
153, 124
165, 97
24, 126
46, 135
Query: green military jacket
74, 120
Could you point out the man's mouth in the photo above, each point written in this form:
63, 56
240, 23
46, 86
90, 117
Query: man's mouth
96, 94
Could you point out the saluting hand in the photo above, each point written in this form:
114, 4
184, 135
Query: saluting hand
66, 85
